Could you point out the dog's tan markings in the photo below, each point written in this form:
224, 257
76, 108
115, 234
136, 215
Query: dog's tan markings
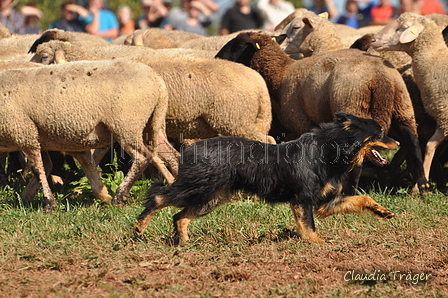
353, 204
359, 158
392, 145
327, 189
142, 224
181, 221
347, 124
304, 231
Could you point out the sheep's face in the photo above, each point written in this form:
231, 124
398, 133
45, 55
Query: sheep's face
399, 34
294, 35
46, 58
298, 32
43, 58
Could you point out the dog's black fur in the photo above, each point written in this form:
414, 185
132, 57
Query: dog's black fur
307, 172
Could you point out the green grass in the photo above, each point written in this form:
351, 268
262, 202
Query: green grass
236, 245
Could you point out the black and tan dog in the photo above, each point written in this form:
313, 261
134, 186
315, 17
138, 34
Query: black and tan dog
307, 173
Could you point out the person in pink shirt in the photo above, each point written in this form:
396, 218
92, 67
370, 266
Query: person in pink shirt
430, 6
384, 13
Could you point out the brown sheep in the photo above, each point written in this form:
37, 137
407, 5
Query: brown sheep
309, 91
308, 35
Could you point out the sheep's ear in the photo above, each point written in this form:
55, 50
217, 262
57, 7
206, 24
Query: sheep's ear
45, 37
363, 43
280, 38
323, 15
240, 49
309, 22
411, 33
59, 57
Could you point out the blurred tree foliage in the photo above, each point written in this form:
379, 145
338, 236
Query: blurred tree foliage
52, 8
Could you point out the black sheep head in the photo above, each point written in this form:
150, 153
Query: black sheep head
242, 48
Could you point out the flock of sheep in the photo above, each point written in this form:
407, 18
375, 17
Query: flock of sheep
155, 91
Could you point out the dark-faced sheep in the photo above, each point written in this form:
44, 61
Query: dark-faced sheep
80, 106
309, 91
315, 35
420, 37
207, 97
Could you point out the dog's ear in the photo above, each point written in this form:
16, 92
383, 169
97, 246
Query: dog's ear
343, 117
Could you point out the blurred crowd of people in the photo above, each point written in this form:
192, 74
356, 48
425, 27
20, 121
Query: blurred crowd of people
195, 16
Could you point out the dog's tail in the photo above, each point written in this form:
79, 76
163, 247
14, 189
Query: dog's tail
157, 188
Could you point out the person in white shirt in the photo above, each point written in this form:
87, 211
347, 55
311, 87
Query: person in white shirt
274, 11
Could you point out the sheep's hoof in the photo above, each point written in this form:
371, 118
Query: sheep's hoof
118, 200
49, 207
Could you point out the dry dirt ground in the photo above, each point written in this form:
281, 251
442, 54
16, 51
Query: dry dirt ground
284, 268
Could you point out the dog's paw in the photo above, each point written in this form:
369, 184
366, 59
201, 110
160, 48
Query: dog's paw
138, 229
175, 240
381, 211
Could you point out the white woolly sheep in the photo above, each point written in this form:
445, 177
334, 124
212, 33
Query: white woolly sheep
309, 91
420, 37
4, 31
207, 97
80, 106
157, 38
79, 38
20, 42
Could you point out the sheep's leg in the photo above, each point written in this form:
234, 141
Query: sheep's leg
35, 160
31, 189
99, 153
160, 165
431, 147
409, 140
89, 166
168, 154
3, 176
140, 157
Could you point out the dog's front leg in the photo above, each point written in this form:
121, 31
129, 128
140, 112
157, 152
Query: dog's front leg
303, 215
353, 204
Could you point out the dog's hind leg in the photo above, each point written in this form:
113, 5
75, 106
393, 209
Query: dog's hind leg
303, 214
183, 218
157, 203
353, 204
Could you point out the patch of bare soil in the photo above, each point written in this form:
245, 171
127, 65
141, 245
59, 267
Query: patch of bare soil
265, 269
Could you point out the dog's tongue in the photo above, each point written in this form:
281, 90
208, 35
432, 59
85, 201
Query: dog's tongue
379, 157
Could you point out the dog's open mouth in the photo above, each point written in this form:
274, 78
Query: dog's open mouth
377, 158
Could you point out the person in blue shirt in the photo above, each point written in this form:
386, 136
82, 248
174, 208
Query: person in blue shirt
104, 23
356, 17
320, 6
74, 18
